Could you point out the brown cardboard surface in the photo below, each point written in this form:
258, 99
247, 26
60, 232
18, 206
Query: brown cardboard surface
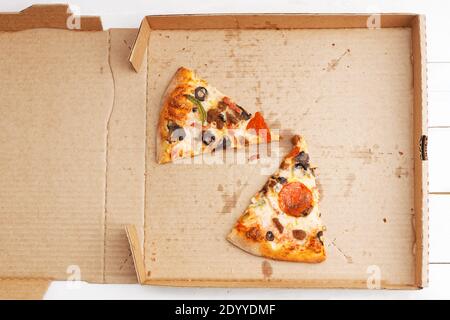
73, 123
23, 289
56, 96
350, 93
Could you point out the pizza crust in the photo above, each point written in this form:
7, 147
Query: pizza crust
263, 250
240, 241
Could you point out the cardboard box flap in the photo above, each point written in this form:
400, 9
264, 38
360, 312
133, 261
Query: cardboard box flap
126, 158
356, 163
137, 252
72, 169
58, 16
52, 185
260, 21
23, 289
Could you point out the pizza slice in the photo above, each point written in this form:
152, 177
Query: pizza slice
283, 220
197, 118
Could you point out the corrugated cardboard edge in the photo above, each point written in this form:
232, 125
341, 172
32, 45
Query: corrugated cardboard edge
420, 163
23, 289
56, 16
257, 21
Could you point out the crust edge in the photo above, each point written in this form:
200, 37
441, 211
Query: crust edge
251, 247
180, 75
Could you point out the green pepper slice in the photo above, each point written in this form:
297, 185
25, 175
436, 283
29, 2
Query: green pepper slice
201, 110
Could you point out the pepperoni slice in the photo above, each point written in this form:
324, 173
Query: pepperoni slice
258, 124
295, 199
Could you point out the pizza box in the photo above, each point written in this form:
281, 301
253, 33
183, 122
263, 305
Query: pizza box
78, 174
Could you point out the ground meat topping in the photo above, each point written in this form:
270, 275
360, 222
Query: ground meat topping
278, 225
299, 234
253, 233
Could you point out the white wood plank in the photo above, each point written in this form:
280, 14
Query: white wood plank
437, 26
439, 108
439, 207
439, 159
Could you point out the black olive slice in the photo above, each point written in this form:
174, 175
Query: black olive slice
178, 135
319, 236
270, 236
208, 137
302, 160
244, 114
172, 126
200, 93
282, 180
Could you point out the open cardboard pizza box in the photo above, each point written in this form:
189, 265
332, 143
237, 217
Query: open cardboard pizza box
78, 172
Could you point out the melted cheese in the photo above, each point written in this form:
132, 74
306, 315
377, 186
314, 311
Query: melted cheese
266, 207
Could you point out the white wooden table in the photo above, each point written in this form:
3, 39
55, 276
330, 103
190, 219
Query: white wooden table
120, 14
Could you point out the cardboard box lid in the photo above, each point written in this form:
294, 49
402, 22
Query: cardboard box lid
158, 258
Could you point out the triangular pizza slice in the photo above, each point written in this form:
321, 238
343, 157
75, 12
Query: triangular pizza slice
197, 118
283, 220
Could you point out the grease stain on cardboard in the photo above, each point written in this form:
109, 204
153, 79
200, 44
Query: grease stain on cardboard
266, 269
332, 65
401, 172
